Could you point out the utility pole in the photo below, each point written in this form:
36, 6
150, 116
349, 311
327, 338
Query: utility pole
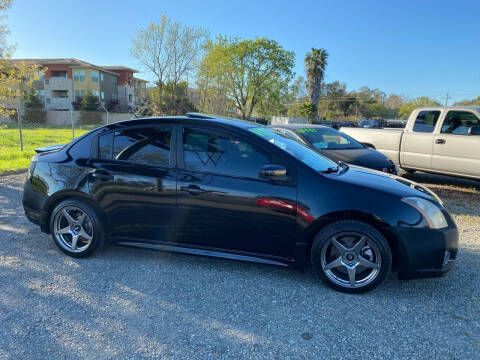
447, 97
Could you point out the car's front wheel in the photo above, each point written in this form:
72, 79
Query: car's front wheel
351, 256
76, 228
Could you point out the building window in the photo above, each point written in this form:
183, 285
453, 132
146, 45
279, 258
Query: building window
79, 75
102, 95
129, 97
94, 76
79, 94
101, 77
114, 97
60, 94
114, 81
48, 100
95, 92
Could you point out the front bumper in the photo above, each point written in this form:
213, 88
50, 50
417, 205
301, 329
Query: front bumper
423, 252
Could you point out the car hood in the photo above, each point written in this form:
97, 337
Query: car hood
366, 157
387, 183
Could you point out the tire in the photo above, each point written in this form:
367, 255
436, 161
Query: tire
76, 219
351, 256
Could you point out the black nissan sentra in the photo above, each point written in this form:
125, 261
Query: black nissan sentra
337, 146
228, 188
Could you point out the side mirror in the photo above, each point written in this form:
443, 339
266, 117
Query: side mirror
273, 172
474, 130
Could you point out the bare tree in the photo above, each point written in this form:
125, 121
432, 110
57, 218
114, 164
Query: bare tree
170, 51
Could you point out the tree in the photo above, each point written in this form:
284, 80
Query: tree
298, 90
248, 71
307, 110
90, 109
14, 77
170, 51
473, 102
315, 64
394, 101
34, 108
407, 109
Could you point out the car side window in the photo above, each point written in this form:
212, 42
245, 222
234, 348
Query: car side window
426, 121
206, 151
144, 146
459, 122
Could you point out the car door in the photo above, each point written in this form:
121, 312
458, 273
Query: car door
454, 150
133, 179
222, 201
417, 141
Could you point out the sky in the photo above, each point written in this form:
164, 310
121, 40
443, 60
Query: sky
408, 47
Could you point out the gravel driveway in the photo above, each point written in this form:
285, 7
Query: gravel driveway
133, 303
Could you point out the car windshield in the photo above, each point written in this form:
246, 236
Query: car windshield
303, 153
328, 139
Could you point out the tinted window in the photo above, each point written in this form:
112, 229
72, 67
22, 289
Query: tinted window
426, 121
145, 146
204, 151
303, 153
329, 139
459, 122
105, 146
288, 133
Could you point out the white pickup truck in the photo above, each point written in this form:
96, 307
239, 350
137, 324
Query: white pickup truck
443, 140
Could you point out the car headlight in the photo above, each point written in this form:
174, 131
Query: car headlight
432, 214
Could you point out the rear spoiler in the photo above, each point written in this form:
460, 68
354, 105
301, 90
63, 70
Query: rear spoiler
48, 148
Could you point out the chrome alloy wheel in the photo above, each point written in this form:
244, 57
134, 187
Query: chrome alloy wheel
73, 229
351, 259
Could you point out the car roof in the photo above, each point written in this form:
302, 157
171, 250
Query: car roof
299, 126
190, 118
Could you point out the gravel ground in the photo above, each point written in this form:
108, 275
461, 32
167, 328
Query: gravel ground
133, 303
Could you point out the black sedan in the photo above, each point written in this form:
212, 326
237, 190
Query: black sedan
232, 189
337, 146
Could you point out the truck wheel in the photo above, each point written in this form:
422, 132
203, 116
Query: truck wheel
351, 256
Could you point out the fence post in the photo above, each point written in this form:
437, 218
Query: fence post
73, 125
19, 119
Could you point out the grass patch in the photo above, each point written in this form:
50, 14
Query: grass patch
34, 136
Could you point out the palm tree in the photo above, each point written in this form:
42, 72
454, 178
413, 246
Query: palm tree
315, 64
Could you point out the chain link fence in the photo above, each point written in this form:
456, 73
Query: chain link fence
23, 132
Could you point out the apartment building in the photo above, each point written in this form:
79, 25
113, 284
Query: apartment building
64, 81
131, 90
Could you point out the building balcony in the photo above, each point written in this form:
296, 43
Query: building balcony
58, 83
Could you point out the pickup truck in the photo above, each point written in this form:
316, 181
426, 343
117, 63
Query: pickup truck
442, 140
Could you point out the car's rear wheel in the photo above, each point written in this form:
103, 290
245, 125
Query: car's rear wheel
76, 228
351, 256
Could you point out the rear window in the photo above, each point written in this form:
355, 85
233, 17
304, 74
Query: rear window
143, 146
426, 121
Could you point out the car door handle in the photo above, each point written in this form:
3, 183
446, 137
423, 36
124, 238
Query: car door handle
192, 190
101, 174
440, 141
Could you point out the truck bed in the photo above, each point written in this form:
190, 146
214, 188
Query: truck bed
387, 141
